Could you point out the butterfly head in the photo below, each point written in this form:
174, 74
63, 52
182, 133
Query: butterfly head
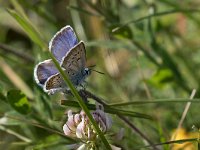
87, 71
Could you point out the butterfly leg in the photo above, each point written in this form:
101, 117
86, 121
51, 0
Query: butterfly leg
84, 85
83, 95
67, 92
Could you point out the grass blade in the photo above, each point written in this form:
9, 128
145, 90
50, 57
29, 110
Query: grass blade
28, 28
175, 100
156, 15
170, 142
21, 137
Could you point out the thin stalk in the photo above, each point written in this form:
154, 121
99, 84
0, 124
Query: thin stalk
187, 106
107, 109
39, 126
176, 100
155, 15
21, 137
170, 142
8, 49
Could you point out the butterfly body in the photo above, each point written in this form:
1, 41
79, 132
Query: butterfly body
72, 58
78, 78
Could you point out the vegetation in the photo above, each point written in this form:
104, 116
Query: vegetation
148, 51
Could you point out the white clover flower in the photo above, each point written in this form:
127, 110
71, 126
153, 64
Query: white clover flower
79, 126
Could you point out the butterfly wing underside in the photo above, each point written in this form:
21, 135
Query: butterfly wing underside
55, 83
75, 60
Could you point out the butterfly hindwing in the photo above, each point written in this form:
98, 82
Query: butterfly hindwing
62, 42
54, 83
44, 70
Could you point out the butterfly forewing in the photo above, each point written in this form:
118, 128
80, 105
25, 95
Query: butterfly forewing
75, 59
62, 42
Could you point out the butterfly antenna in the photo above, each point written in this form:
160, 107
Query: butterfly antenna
97, 71
92, 66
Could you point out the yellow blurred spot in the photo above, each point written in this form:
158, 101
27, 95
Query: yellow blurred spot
181, 134
117, 62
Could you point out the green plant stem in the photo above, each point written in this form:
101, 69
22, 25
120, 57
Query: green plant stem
55, 131
8, 49
182, 100
156, 15
171, 142
107, 109
80, 101
21, 137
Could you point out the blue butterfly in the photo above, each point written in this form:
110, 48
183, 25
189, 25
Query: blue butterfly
71, 56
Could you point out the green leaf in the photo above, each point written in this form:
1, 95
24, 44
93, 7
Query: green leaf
161, 77
18, 101
123, 33
28, 28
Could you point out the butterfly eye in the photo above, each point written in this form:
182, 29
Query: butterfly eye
87, 71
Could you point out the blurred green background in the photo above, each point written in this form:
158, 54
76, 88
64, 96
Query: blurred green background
148, 50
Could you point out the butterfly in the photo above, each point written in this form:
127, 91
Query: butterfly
71, 56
